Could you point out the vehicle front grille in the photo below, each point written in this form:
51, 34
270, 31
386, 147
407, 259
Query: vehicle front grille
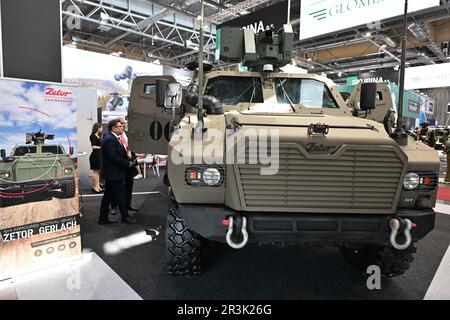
363, 179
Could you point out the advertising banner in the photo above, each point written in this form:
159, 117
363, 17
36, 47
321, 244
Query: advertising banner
112, 77
272, 17
425, 77
326, 16
39, 203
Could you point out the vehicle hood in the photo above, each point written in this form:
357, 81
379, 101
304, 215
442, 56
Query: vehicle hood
342, 129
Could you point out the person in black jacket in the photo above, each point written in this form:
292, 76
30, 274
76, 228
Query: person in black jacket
95, 159
115, 166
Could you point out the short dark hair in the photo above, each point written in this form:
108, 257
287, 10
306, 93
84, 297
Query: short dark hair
112, 124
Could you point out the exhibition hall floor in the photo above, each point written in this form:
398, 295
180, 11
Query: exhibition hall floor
123, 261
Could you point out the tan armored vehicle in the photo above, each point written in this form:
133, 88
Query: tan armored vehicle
279, 158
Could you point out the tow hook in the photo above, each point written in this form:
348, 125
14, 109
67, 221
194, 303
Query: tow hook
395, 224
243, 231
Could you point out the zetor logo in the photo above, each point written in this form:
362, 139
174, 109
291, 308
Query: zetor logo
318, 148
52, 92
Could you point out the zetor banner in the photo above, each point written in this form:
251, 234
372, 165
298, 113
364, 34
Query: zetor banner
39, 207
322, 17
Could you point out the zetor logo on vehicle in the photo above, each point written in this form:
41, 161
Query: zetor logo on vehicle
316, 148
52, 92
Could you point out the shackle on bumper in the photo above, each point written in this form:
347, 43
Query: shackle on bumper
244, 232
394, 223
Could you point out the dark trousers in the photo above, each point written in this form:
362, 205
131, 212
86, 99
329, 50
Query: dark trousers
128, 187
114, 189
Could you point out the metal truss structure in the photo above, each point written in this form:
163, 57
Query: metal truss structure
110, 29
168, 31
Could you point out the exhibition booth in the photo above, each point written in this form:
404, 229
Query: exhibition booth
353, 171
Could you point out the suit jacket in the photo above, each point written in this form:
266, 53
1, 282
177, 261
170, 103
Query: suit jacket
115, 159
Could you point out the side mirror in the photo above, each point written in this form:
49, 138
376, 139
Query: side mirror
368, 96
3, 154
174, 94
168, 94
71, 150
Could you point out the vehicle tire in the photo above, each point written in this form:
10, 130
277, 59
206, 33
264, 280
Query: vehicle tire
392, 262
184, 247
68, 189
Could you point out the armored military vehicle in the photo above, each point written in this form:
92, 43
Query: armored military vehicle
35, 169
342, 177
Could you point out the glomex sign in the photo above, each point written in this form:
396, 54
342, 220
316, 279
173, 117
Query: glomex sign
321, 17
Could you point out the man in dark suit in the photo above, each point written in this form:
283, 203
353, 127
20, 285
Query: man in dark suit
131, 173
115, 166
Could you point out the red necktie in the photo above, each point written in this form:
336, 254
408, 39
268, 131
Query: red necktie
125, 145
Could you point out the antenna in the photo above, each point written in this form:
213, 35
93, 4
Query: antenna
200, 112
399, 135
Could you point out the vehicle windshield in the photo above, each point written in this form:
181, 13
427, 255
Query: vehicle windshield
307, 93
52, 149
234, 90
21, 151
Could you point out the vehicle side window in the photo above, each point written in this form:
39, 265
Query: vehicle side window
379, 95
150, 89
52, 149
307, 92
21, 151
234, 90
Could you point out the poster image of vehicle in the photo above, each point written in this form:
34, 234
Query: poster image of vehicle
39, 202
112, 76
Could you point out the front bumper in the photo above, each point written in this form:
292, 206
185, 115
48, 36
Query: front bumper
329, 229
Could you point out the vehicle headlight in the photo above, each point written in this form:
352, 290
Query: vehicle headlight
67, 170
212, 176
200, 176
411, 181
5, 175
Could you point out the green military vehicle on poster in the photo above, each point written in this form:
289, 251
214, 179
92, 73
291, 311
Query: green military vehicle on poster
36, 170
343, 177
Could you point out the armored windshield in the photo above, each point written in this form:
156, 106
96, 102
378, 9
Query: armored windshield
21, 151
234, 90
307, 93
52, 149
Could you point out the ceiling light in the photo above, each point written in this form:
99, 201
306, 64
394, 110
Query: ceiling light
368, 34
340, 74
199, 18
312, 67
390, 42
309, 59
396, 68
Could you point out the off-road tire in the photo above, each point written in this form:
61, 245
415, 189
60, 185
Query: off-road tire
392, 262
184, 247
68, 189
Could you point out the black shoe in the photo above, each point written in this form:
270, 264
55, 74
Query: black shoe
129, 220
95, 191
100, 222
131, 208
